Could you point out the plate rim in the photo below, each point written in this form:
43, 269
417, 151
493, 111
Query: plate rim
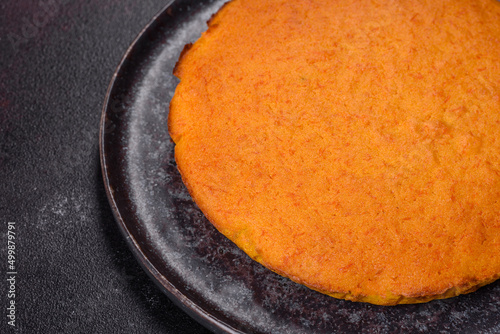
199, 314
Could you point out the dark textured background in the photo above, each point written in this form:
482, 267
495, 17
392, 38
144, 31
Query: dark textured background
75, 272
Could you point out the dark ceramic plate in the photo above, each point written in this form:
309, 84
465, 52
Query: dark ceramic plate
198, 268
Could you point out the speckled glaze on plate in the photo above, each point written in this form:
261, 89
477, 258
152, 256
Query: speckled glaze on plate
197, 267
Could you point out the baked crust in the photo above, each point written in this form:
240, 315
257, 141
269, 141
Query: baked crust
351, 146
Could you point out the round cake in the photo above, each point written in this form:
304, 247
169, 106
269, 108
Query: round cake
352, 146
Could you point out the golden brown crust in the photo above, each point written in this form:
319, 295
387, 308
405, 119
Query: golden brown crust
212, 18
350, 146
186, 48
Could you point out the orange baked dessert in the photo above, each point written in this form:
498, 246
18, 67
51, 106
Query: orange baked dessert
352, 146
